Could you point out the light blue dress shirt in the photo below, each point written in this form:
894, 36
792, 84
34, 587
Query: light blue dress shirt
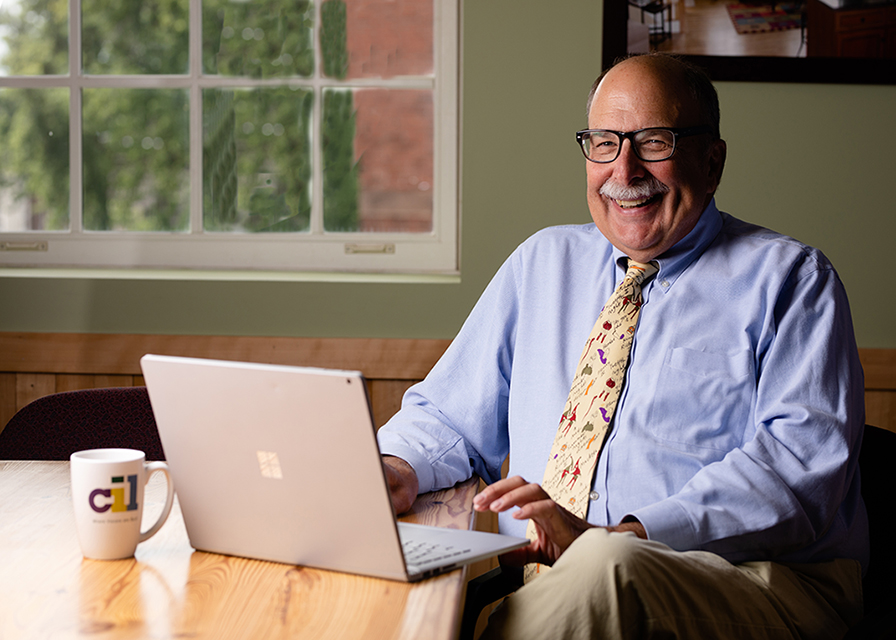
738, 427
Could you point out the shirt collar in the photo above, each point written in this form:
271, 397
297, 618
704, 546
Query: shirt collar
674, 262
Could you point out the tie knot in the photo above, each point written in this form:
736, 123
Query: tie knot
640, 271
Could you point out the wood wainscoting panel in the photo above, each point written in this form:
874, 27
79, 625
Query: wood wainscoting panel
38, 364
385, 398
880, 408
879, 366
77, 382
8, 406
106, 354
31, 386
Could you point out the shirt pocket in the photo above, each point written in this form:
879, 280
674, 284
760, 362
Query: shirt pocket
703, 399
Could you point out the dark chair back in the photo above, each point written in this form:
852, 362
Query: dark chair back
877, 459
55, 426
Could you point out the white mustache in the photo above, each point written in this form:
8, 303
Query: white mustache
647, 188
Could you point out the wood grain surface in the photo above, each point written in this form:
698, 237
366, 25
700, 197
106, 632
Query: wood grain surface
168, 590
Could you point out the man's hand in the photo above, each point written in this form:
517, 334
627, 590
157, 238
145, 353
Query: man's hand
556, 528
403, 484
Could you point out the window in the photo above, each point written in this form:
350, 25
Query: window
286, 135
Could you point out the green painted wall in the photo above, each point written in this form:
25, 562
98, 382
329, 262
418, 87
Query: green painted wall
808, 160
812, 161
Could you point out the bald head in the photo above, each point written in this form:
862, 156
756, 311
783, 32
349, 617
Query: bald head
686, 81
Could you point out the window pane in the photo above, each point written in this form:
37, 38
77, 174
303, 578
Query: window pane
378, 160
257, 38
134, 36
136, 159
384, 38
33, 37
256, 159
34, 166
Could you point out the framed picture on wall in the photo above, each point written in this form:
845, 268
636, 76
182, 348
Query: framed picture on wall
816, 41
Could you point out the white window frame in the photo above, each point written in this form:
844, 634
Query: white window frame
317, 251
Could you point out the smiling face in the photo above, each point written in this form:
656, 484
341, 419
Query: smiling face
644, 208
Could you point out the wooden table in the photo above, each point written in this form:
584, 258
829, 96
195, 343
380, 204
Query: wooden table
48, 590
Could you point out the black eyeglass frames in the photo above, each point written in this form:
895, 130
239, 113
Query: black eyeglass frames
653, 144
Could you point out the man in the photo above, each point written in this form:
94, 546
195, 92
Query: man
725, 502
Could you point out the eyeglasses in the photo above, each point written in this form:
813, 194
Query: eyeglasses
650, 145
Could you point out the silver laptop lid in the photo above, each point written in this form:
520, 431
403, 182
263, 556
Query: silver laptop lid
276, 463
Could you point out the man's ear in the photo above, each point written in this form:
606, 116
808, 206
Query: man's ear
718, 152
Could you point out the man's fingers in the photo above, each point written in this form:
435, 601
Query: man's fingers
542, 510
483, 500
555, 527
513, 492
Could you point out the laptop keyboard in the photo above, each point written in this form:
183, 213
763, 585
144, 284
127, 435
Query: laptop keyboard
419, 554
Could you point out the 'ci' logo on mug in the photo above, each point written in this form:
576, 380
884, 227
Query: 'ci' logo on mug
117, 494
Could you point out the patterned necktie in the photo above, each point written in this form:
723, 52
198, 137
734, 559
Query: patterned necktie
595, 390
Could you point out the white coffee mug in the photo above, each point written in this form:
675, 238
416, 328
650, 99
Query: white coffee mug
107, 490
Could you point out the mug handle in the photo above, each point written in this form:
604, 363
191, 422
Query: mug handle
150, 468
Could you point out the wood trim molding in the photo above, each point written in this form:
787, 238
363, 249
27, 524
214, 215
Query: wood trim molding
119, 354
880, 368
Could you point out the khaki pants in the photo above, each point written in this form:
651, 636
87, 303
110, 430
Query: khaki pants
616, 585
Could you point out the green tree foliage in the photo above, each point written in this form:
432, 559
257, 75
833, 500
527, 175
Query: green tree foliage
257, 159
136, 159
333, 38
258, 39
146, 37
256, 143
34, 152
34, 129
340, 168
35, 34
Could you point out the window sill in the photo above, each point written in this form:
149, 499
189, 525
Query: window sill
231, 276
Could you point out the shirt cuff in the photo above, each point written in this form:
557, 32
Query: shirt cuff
420, 465
667, 522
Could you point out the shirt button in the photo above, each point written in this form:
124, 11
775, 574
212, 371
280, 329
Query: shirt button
594, 495
665, 284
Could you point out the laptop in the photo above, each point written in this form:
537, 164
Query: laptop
281, 463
